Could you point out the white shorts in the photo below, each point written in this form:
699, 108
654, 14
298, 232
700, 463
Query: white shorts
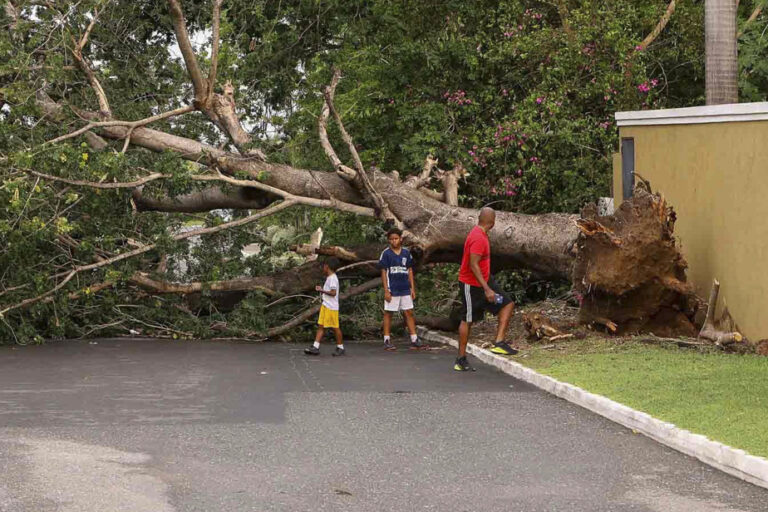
401, 303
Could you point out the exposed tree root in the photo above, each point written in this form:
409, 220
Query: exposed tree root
630, 273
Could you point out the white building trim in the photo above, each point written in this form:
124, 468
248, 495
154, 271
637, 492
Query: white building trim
730, 113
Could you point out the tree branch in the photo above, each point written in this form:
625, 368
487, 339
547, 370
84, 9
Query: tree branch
205, 200
322, 121
309, 201
752, 17
187, 52
84, 65
659, 26
344, 135
131, 125
363, 181
214, 44
241, 284
425, 177
93, 184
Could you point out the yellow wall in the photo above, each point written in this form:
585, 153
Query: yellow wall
716, 177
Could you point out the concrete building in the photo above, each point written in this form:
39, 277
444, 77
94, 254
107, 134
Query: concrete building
711, 164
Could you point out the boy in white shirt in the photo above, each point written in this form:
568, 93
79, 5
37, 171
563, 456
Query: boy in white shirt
329, 311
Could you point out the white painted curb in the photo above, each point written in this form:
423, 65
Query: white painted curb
733, 461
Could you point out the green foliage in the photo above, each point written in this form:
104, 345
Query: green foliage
502, 87
753, 47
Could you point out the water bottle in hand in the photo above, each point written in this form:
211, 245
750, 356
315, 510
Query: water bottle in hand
499, 298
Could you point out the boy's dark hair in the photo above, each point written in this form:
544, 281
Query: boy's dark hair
394, 231
333, 263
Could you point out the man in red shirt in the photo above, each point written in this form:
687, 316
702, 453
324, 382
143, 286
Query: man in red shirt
479, 293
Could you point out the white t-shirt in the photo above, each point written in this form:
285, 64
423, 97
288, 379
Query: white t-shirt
331, 283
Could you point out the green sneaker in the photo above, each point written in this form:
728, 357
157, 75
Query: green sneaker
503, 348
462, 365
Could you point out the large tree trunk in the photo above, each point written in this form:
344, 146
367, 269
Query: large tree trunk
722, 63
540, 243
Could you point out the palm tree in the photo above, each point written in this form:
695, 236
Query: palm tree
721, 51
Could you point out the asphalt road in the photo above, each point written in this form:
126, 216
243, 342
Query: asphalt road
138, 425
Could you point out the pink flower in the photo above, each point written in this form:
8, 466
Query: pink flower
639, 48
519, 172
539, 100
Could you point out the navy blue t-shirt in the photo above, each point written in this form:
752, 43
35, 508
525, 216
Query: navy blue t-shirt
397, 266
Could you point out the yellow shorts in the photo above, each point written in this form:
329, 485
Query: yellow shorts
328, 317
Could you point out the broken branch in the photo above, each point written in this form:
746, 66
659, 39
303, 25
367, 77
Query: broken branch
659, 26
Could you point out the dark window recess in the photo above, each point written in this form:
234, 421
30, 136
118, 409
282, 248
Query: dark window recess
627, 167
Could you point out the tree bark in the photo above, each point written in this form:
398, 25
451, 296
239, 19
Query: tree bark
722, 65
541, 243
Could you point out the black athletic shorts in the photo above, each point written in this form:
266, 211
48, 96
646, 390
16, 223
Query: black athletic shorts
474, 304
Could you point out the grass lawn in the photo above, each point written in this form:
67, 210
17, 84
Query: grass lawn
722, 396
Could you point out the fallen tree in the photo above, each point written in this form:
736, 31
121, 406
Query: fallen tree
599, 254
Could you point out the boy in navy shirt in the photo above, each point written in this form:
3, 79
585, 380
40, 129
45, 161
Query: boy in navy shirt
396, 266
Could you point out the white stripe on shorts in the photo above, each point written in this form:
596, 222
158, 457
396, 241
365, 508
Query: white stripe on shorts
468, 299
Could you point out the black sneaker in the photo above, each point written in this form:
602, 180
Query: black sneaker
418, 345
503, 348
462, 365
389, 346
312, 351
339, 352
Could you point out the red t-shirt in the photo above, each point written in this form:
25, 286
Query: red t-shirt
477, 243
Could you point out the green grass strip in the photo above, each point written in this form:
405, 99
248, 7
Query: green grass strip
722, 396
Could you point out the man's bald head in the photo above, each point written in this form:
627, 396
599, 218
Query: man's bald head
487, 218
